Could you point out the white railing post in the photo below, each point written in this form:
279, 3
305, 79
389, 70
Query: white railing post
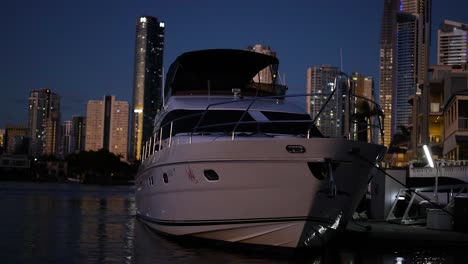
146, 149
149, 147
160, 138
154, 142
170, 135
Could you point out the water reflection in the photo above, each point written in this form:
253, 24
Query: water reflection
151, 246
60, 223
63, 223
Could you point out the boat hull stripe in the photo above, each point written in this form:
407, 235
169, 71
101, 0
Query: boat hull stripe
232, 221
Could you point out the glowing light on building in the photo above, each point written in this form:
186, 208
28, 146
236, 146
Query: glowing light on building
428, 156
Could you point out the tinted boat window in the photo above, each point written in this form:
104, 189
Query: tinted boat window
299, 128
274, 116
186, 120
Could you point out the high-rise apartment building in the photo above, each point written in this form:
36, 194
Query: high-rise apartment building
148, 76
362, 85
404, 59
413, 43
17, 140
107, 126
51, 144
406, 75
265, 75
362, 105
65, 138
2, 138
320, 84
77, 134
452, 43
387, 65
44, 120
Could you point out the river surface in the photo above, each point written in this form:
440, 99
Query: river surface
73, 223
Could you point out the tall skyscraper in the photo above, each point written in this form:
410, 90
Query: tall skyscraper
51, 143
44, 120
265, 75
321, 83
406, 77
413, 43
387, 65
363, 87
452, 46
2, 137
404, 59
148, 76
17, 140
107, 126
65, 138
77, 134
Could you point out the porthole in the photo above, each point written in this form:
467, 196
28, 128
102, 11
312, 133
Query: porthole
211, 175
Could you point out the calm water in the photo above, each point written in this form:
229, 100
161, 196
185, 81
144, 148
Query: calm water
72, 223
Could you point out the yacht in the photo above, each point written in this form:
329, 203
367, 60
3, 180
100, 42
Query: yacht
237, 160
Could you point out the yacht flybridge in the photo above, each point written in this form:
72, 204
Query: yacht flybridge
235, 160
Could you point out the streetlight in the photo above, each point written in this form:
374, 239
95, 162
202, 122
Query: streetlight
428, 156
431, 164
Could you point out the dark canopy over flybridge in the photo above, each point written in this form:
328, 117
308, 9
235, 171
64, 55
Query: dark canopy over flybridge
219, 71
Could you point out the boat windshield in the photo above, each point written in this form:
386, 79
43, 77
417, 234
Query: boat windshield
225, 121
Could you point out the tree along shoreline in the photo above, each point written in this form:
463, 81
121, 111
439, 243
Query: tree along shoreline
87, 167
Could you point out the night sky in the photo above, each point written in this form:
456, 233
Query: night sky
84, 49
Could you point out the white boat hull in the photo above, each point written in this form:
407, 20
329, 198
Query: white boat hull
264, 195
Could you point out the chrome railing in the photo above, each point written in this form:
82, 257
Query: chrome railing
354, 128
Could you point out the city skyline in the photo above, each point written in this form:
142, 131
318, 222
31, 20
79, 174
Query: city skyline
52, 45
